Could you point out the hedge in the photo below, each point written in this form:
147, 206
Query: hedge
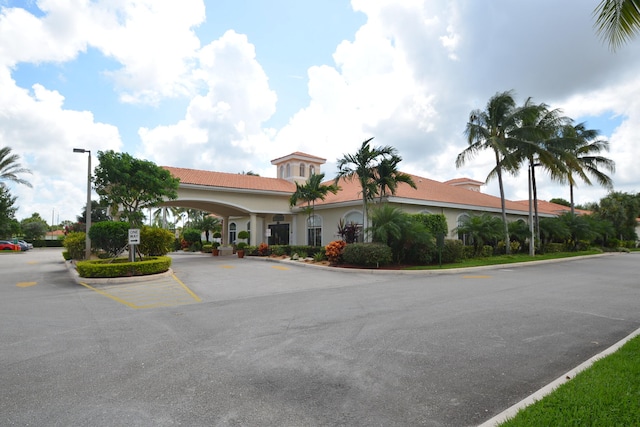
121, 267
367, 254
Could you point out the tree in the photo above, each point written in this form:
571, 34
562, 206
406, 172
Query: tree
482, 229
584, 146
99, 213
209, 224
110, 236
10, 167
7, 212
622, 210
132, 184
560, 201
34, 227
362, 166
387, 176
618, 21
497, 129
312, 190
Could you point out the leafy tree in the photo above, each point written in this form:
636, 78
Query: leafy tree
312, 190
498, 129
617, 21
435, 223
99, 212
387, 176
110, 236
132, 184
622, 210
7, 212
584, 147
553, 230
482, 229
34, 227
10, 167
579, 229
362, 166
560, 201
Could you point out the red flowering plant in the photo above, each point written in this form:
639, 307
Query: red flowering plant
334, 251
263, 249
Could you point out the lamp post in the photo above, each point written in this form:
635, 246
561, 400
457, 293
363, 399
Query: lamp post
87, 247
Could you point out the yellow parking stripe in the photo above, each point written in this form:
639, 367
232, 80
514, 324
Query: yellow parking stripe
26, 284
277, 267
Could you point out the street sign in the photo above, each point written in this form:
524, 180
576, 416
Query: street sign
134, 236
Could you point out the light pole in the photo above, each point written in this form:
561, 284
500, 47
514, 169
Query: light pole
87, 248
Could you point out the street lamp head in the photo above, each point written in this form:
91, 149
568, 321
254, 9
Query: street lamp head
80, 150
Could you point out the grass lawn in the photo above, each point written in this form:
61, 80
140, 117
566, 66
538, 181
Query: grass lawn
606, 394
503, 259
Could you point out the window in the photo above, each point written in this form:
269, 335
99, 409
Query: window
281, 171
288, 170
232, 232
302, 169
355, 218
312, 170
466, 239
314, 230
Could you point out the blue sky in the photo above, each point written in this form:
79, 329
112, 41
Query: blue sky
230, 85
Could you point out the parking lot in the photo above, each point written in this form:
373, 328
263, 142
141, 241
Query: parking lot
228, 342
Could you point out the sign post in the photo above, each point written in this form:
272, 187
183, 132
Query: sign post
134, 239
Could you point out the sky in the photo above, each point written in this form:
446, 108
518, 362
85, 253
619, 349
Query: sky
229, 85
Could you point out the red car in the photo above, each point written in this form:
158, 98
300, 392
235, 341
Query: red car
5, 245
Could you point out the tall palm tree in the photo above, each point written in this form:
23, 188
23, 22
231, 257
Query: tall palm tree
537, 147
10, 167
387, 176
160, 215
497, 129
208, 224
362, 166
584, 147
618, 21
312, 190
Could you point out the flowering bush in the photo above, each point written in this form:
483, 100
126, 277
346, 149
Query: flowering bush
334, 251
263, 249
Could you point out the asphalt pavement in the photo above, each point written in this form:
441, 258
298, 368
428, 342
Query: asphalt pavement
222, 341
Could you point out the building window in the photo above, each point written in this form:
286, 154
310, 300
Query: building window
302, 169
466, 239
281, 171
314, 231
354, 219
288, 170
312, 170
232, 232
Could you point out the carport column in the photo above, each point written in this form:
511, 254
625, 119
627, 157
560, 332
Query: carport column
225, 230
253, 236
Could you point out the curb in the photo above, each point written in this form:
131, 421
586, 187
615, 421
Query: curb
112, 280
549, 388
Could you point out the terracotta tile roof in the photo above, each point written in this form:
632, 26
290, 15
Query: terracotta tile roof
431, 191
298, 154
552, 208
463, 181
231, 180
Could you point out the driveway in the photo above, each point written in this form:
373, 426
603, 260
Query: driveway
272, 344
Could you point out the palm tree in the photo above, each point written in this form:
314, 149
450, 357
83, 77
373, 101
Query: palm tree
312, 190
10, 168
497, 129
618, 21
362, 165
387, 176
208, 224
539, 128
481, 229
160, 214
584, 147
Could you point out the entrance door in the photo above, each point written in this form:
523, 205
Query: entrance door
279, 234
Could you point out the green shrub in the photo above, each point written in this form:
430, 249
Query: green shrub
241, 245
367, 254
280, 250
435, 223
191, 235
75, 243
243, 235
109, 236
302, 250
42, 243
66, 256
207, 249
251, 250
453, 251
468, 252
121, 267
552, 248
487, 251
155, 241
319, 256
